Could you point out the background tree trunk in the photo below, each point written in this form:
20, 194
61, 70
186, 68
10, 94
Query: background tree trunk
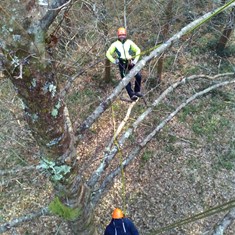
107, 76
226, 33
165, 31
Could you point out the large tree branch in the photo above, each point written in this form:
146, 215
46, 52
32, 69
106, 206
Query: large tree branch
39, 28
180, 107
16, 222
51, 14
110, 154
224, 223
155, 53
136, 150
106, 103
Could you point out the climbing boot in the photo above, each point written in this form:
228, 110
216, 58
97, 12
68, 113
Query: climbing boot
138, 94
134, 98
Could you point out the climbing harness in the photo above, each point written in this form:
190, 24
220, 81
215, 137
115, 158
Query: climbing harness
123, 226
211, 211
125, 99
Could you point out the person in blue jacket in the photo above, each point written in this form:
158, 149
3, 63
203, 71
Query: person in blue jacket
120, 225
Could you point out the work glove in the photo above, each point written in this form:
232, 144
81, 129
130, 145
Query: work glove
116, 61
133, 63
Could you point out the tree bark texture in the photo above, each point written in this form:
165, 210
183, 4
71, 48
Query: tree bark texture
44, 112
77, 195
43, 109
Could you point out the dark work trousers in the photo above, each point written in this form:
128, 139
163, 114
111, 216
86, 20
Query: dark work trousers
124, 68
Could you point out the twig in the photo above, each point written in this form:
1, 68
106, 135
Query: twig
60, 7
121, 125
21, 72
179, 137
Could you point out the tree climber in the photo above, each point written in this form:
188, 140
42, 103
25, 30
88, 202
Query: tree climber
120, 225
128, 54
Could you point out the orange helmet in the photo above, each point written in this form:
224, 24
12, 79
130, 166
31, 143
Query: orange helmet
117, 214
121, 32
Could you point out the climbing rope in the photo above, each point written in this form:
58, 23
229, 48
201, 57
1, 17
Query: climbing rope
216, 12
120, 154
212, 211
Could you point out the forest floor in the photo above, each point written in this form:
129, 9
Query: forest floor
188, 168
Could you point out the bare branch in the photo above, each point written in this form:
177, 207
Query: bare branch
124, 14
49, 17
189, 100
62, 6
136, 150
121, 125
224, 223
16, 222
16, 170
71, 80
110, 154
106, 103
107, 181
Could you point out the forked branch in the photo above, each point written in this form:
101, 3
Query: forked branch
111, 153
136, 150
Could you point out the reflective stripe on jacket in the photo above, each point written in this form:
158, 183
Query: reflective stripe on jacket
121, 227
125, 51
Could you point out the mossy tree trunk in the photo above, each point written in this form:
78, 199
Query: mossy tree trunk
44, 112
32, 73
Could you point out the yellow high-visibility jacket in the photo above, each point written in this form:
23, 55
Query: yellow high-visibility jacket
125, 51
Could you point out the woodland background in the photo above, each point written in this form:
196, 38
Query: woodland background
187, 168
